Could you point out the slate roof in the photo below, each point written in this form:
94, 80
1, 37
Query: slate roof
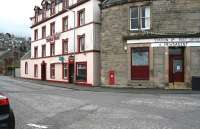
26, 56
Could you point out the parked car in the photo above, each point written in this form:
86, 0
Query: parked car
7, 119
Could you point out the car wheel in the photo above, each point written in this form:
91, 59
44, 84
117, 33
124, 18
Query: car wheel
11, 120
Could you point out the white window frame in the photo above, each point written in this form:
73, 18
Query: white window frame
140, 18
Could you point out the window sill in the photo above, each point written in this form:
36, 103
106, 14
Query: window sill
65, 78
52, 77
138, 30
81, 81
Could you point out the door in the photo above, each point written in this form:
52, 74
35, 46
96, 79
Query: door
71, 73
176, 66
43, 71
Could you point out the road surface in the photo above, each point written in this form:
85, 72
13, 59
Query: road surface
45, 107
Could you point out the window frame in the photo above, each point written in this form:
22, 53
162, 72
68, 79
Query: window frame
63, 23
52, 28
67, 71
52, 51
36, 34
36, 52
139, 19
35, 70
144, 69
81, 63
44, 50
44, 32
63, 46
65, 4
43, 13
79, 43
52, 71
53, 7
79, 18
26, 67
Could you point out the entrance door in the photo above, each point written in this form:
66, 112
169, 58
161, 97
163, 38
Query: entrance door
176, 65
71, 73
43, 71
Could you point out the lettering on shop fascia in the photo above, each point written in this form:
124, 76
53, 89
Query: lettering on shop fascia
168, 42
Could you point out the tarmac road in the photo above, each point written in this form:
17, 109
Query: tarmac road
39, 106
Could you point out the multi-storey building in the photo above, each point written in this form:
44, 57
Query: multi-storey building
150, 43
65, 42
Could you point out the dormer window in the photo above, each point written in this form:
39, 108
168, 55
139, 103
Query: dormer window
36, 9
140, 18
65, 4
53, 9
36, 16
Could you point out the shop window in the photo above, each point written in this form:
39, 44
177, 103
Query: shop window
65, 46
140, 64
65, 71
140, 18
81, 69
26, 68
52, 71
35, 70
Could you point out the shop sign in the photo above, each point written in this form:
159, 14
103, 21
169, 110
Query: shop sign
71, 59
168, 42
61, 58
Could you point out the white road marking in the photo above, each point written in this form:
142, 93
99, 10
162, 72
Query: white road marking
38, 126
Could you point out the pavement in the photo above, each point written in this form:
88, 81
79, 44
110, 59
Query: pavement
111, 89
41, 106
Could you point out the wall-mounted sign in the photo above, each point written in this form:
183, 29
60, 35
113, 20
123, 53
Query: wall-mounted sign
61, 58
71, 59
167, 42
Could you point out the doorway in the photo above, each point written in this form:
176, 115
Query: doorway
43, 71
176, 64
71, 73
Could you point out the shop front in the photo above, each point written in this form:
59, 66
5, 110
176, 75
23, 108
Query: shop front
163, 62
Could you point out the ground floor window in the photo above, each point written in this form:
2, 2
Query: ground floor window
65, 71
35, 70
81, 69
26, 68
140, 63
52, 71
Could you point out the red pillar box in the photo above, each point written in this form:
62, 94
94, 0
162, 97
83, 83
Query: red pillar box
111, 78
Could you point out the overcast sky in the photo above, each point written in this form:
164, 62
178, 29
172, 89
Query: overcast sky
15, 16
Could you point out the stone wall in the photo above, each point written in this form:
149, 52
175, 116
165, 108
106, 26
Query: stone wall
195, 61
167, 16
159, 66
